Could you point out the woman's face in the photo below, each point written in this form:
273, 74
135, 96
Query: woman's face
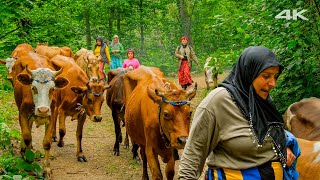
184, 42
98, 42
115, 40
265, 81
130, 55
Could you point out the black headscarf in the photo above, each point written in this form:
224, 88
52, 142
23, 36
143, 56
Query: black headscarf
263, 117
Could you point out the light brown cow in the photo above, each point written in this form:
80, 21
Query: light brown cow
78, 99
33, 96
303, 119
20, 50
157, 118
89, 63
51, 51
308, 164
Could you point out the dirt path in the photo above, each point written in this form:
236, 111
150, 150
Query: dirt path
98, 140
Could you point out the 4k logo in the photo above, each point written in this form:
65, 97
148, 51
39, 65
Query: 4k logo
286, 14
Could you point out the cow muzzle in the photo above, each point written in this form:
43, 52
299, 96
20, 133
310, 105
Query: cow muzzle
43, 112
97, 119
181, 141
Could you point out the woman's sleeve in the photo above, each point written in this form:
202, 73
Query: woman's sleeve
177, 53
202, 140
108, 54
193, 56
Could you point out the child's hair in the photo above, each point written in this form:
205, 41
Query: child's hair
130, 50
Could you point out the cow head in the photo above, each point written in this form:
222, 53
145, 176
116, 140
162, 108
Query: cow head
9, 62
92, 98
43, 83
174, 114
93, 67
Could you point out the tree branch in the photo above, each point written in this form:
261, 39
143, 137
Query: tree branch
9, 32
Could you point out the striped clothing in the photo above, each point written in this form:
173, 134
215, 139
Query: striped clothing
267, 171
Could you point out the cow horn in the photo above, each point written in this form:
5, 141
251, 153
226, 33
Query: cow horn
161, 94
58, 72
190, 91
88, 85
167, 87
28, 70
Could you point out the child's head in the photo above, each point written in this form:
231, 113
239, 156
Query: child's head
130, 54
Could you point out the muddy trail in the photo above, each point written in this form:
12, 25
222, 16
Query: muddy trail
98, 140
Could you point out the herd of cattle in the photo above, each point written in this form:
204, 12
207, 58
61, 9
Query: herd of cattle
52, 83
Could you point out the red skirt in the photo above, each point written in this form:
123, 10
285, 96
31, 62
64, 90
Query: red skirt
184, 73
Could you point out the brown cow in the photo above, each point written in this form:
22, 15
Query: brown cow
308, 164
20, 50
303, 119
51, 51
115, 101
33, 96
157, 117
78, 99
89, 63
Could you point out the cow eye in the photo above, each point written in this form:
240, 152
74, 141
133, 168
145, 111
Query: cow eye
90, 101
190, 114
35, 90
166, 115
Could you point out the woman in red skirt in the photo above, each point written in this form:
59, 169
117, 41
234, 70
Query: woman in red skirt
185, 55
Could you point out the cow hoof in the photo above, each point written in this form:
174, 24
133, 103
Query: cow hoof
126, 146
61, 144
116, 153
47, 173
82, 159
54, 139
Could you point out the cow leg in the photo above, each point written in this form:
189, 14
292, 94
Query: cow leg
117, 129
54, 116
153, 162
47, 141
126, 142
80, 154
144, 162
26, 134
170, 169
62, 127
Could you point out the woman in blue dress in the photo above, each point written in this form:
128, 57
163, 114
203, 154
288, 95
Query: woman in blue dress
116, 49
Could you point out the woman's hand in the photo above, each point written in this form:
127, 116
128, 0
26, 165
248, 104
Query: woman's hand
290, 157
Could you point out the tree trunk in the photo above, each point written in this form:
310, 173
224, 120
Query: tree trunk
141, 29
87, 26
185, 20
118, 21
111, 15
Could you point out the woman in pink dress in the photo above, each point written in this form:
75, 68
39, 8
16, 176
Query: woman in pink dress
131, 62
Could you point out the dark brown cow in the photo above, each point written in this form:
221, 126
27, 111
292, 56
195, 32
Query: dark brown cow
157, 118
51, 51
303, 119
33, 96
115, 101
89, 63
308, 164
78, 99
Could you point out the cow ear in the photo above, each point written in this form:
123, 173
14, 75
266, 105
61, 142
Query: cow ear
24, 79
79, 90
192, 91
106, 87
152, 94
2, 61
61, 82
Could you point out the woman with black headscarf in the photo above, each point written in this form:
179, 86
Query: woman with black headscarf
101, 49
237, 127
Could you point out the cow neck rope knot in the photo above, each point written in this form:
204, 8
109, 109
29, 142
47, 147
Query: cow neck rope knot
174, 103
44, 82
94, 93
